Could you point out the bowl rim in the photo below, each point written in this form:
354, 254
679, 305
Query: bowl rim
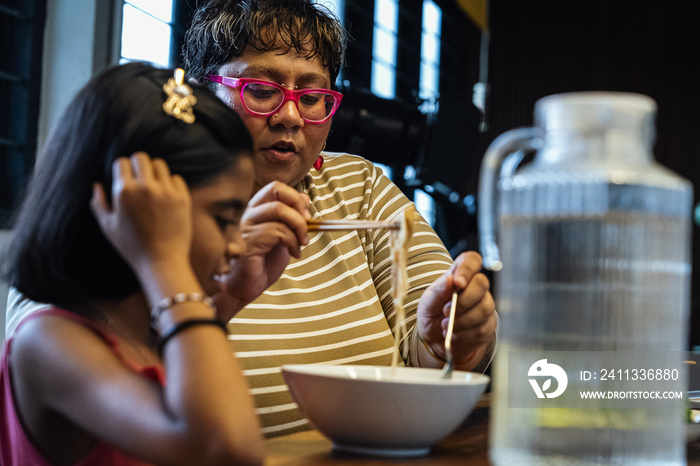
459, 378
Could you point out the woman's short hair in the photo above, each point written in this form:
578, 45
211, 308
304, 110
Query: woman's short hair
222, 29
58, 254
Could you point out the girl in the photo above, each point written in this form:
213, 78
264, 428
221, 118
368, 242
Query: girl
131, 216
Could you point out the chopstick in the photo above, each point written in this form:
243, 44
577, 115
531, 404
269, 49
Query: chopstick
348, 225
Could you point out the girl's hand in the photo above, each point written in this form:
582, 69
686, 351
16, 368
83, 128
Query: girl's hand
150, 218
274, 228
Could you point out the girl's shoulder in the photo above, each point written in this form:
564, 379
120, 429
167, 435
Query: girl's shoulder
53, 343
55, 326
46, 341
42, 369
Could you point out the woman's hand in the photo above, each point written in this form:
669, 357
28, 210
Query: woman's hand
150, 217
475, 319
274, 228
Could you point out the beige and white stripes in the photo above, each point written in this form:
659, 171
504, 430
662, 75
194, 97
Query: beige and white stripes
334, 305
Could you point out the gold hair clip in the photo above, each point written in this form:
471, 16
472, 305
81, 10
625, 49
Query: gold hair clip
180, 98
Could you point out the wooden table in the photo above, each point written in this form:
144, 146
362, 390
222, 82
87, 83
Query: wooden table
312, 448
468, 445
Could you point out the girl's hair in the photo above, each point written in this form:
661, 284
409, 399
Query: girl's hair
222, 29
58, 254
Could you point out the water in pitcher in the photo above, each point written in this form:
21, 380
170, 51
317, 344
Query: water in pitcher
579, 285
592, 267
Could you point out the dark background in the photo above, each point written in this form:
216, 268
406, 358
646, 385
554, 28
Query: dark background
651, 47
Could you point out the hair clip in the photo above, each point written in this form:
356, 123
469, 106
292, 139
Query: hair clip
180, 98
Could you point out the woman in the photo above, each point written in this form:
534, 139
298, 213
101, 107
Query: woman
271, 61
131, 216
333, 303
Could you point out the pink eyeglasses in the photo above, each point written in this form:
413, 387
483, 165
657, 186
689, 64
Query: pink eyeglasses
265, 98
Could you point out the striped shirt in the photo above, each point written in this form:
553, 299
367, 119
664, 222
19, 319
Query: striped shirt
335, 304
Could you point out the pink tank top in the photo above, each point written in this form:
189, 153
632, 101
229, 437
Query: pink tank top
15, 447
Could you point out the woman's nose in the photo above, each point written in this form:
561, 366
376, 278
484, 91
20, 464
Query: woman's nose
287, 116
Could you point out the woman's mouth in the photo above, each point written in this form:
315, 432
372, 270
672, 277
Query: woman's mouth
282, 151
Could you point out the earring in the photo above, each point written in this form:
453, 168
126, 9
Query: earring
319, 162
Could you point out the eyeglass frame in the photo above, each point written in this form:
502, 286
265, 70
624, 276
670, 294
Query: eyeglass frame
289, 94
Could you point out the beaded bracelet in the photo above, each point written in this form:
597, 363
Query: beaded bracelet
165, 303
174, 329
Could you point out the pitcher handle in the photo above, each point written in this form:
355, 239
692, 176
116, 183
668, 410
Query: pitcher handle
505, 145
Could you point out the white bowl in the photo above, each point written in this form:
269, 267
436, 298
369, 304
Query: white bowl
367, 410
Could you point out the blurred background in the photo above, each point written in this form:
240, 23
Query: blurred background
428, 85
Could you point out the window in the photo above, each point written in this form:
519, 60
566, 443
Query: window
430, 54
429, 86
384, 43
335, 6
147, 31
22, 30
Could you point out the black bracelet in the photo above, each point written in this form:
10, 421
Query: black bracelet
180, 326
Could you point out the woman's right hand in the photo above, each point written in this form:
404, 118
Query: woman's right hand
150, 218
274, 228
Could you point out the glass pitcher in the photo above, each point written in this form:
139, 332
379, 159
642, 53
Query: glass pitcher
593, 272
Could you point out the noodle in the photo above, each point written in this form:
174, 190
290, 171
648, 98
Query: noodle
399, 241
